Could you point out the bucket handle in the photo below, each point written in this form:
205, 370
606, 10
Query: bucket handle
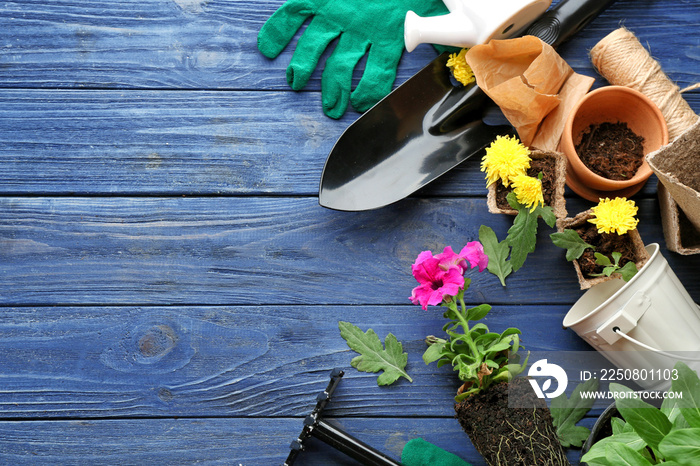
650, 348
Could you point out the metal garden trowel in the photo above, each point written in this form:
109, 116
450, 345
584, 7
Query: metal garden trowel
426, 126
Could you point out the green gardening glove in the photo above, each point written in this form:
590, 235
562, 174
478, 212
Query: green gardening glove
418, 452
373, 27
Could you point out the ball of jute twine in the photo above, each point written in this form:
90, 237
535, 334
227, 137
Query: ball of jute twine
623, 61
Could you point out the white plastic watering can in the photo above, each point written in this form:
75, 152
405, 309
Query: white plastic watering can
646, 324
472, 22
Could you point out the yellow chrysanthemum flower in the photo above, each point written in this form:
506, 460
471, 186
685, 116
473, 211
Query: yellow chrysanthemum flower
528, 191
615, 216
505, 158
459, 67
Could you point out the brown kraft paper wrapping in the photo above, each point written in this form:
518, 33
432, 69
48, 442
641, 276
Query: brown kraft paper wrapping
534, 87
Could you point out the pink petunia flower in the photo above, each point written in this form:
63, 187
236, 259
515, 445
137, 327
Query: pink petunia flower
474, 253
435, 281
443, 274
471, 256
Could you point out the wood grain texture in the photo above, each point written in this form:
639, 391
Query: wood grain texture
155, 142
194, 44
215, 441
180, 143
169, 287
253, 250
156, 44
212, 361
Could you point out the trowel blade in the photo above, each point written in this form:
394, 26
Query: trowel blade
426, 128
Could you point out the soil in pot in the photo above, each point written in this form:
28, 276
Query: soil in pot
508, 435
537, 166
611, 150
606, 244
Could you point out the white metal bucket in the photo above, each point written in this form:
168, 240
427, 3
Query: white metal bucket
638, 324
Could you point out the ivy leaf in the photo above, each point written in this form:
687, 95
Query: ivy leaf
373, 357
566, 412
572, 242
498, 253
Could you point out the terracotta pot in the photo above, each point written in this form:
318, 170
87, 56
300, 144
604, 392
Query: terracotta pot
611, 104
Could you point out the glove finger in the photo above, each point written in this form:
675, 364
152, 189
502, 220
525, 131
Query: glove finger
337, 74
309, 49
378, 78
280, 28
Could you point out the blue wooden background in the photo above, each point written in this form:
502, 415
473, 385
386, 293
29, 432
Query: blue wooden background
170, 288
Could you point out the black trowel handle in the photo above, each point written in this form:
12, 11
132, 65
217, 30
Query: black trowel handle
565, 19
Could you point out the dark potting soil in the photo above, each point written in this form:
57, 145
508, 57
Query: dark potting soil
546, 166
512, 436
611, 150
606, 244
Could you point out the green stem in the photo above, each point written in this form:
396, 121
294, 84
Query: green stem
462, 316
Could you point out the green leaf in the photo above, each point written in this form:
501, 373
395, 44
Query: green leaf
616, 257
602, 259
670, 408
513, 201
434, 352
572, 242
619, 426
486, 340
628, 271
688, 384
522, 237
516, 340
373, 357
650, 423
547, 214
478, 312
597, 451
682, 446
498, 347
497, 252
622, 455
566, 412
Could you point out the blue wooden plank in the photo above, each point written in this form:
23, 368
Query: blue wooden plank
253, 250
176, 143
208, 143
154, 44
210, 361
258, 442
94, 107
117, 142
195, 44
